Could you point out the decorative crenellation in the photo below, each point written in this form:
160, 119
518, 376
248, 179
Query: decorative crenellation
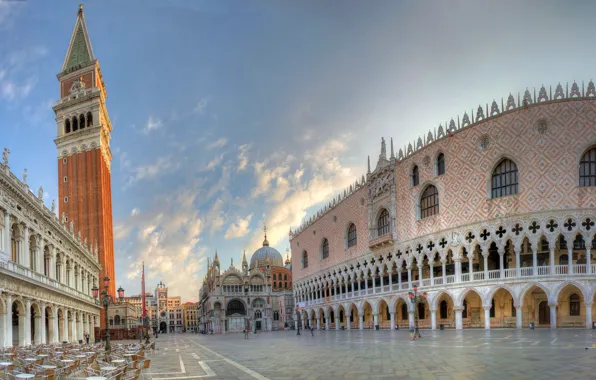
482, 114
36, 202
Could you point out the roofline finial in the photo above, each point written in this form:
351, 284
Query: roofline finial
80, 9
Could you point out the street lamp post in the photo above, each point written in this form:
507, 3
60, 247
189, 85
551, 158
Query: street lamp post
105, 299
298, 321
416, 299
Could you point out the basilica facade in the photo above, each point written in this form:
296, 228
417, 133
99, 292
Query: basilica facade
258, 297
492, 216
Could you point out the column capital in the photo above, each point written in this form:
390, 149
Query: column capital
588, 304
486, 308
553, 304
458, 309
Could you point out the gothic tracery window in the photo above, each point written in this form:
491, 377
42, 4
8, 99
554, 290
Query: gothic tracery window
383, 223
587, 168
325, 248
352, 236
415, 176
504, 180
429, 202
440, 164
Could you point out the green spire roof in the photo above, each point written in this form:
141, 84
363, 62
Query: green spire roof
79, 50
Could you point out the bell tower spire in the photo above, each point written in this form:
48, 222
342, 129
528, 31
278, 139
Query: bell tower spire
83, 130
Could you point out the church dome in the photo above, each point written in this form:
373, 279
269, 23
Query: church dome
258, 258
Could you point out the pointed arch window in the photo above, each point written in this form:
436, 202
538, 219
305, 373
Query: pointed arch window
429, 202
415, 176
587, 168
574, 305
383, 223
440, 164
352, 235
325, 249
304, 259
504, 179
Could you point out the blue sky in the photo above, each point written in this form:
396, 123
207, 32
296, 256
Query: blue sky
229, 114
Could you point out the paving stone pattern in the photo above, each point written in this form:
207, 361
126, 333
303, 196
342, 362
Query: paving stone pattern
355, 354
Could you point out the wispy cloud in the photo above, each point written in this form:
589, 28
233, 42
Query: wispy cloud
219, 143
149, 171
201, 105
240, 228
153, 124
242, 157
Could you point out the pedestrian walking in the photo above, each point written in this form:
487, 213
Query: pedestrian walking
87, 337
312, 331
245, 333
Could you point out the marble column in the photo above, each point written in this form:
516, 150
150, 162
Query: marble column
3, 328
9, 322
361, 320
27, 341
517, 251
6, 234
375, 320
553, 315
518, 317
433, 319
392, 318
411, 318
409, 276
588, 306
487, 317
570, 258
26, 257
588, 259
459, 325
65, 337
535, 259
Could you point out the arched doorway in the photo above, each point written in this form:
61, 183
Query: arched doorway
535, 309
384, 317
444, 309
163, 327
341, 317
354, 320
236, 315
402, 318
503, 313
571, 310
474, 314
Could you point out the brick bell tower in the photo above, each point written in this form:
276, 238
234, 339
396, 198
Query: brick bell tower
83, 140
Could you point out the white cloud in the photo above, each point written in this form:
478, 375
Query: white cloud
239, 228
242, 157
168, 242
153, 124
135, 211
293, 195
201, 105
149, 171
219, 143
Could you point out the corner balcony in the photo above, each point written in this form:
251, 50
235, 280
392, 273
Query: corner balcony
384, 240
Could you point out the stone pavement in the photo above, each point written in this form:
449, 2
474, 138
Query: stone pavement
355, 354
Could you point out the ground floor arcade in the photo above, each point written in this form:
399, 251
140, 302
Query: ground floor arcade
542, 304
28, 321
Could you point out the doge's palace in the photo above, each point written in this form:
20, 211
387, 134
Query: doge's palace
492, 215
46, 270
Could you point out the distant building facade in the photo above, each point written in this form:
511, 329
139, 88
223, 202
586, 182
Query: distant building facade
258, 297
190, 315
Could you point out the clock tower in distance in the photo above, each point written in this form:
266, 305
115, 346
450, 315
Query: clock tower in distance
83, 130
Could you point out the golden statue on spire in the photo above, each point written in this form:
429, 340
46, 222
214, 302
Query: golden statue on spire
265, 242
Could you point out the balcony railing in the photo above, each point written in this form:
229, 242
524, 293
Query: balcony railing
21, 271
442, 281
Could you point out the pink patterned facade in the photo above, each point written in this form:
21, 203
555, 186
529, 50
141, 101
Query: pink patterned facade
525, 238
